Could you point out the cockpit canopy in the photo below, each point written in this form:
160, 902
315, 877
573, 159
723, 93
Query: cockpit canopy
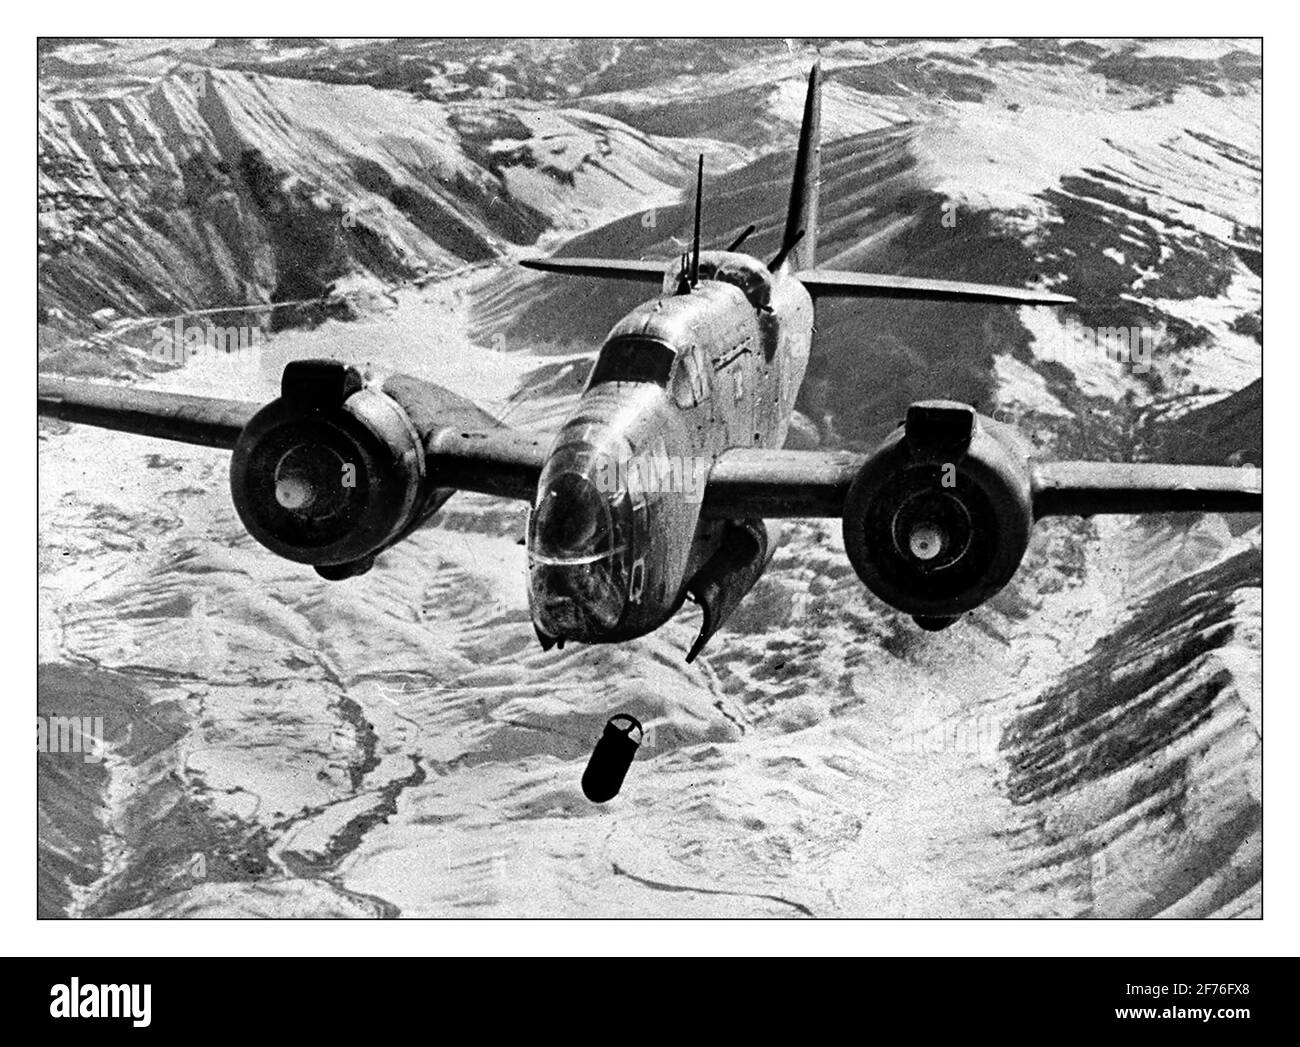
632, 359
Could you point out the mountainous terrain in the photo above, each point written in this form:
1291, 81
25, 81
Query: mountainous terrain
1086, 744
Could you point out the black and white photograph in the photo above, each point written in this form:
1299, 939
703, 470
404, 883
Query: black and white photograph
649, 478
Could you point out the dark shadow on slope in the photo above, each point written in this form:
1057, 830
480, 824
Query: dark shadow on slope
1149, 745
172, 837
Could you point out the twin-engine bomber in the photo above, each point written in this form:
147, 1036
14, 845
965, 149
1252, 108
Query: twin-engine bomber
696, 386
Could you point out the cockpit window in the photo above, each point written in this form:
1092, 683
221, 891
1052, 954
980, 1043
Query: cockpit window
633, 360
690, 386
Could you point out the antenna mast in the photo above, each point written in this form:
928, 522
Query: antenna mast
695, 252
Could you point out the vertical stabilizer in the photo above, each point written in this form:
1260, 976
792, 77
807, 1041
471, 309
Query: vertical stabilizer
799, 244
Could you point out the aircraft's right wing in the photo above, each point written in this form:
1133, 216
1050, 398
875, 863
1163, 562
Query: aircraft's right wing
464, 447
336, 469
200, 420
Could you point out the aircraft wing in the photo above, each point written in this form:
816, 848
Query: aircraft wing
465, 448
168, 416
776, 484
834, 284
1089, 488
753, 482
500, 461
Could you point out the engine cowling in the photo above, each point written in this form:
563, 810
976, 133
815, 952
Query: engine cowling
329, 474
938, 519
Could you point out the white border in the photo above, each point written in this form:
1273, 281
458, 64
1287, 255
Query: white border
22, 934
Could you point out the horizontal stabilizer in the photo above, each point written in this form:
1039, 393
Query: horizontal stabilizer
830, 283
636, 270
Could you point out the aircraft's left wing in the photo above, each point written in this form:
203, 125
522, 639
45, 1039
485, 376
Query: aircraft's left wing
771, 485
1091, 488
784, 484
937, 520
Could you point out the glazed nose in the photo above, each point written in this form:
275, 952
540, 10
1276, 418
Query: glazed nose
570, 519
577, 577
578, 601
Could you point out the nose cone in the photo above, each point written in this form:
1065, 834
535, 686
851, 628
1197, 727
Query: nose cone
577, 550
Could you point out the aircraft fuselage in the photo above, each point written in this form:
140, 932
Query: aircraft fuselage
615, 534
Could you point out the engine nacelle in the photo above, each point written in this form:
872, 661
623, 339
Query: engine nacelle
330, 473
938, 519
